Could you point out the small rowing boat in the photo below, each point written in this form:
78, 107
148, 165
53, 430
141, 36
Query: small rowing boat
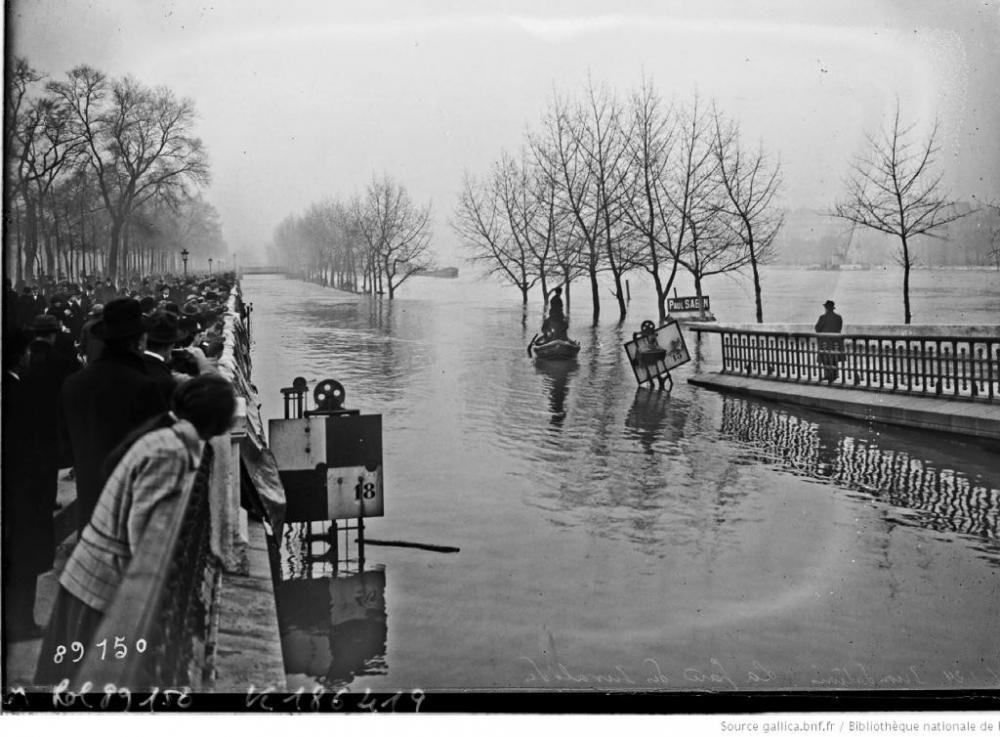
556, 349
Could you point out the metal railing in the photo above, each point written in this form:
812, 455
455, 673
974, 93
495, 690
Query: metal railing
947, 366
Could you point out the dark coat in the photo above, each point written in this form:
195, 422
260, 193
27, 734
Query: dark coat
829, 322
28, 306
42, 383
159, 372
830, 349
28, 528
101, 405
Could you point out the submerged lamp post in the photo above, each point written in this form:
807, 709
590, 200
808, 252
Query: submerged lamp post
184, 258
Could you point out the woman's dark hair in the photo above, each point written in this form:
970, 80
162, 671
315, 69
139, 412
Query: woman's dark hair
207, 402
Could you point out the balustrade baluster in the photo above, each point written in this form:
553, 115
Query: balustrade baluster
881, 364
964, 368
908, 349
868, 362
954, 366
991, 379
923, 367
939, 378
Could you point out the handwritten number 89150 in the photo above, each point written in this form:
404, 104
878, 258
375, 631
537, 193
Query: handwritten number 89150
118, 649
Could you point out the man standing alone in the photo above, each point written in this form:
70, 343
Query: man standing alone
830, 349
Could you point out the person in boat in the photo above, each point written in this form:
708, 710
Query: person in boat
554, 327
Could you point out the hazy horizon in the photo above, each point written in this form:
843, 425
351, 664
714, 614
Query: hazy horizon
303, 101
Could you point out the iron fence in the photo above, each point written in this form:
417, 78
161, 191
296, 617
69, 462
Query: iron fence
956, 367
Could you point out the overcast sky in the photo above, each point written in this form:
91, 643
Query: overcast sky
301, 100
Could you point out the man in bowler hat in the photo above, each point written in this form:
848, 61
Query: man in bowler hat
109, 398
831, 350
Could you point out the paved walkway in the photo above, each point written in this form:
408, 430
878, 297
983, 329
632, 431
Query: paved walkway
969, 418
248, 643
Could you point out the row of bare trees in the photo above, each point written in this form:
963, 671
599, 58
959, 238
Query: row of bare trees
103, 177
372, 243
607, 185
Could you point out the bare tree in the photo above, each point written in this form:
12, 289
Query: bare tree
557, 246
602, 127
564, 170
750, 183
895, 189
648, 207
484, 224
138, 143
396, 231
705, 244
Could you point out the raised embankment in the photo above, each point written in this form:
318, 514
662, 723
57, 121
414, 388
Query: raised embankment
940, 378
243, 648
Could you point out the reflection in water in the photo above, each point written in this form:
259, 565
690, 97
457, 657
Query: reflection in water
943, 499
334, 629
331, 616
655, 417
557, 375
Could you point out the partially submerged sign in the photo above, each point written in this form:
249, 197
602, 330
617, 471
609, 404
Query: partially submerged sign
688, 304
654, 351
329, 459
331, 467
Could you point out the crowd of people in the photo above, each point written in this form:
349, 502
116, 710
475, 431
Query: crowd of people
119, 386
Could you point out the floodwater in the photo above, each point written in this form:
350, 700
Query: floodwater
616, 537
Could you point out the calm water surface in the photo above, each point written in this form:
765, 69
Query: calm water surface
616, 537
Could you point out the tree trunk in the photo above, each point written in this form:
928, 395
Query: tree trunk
19, 267
114, 247
668, 285
31, 237
48, 248
756, 285
595, 294
661, 294
906, 281
620, 296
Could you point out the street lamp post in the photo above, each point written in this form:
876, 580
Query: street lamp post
184, 258
209, 265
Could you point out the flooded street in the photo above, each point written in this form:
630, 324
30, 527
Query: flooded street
618, 537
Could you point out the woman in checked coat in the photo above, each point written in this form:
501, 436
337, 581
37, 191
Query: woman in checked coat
156, 462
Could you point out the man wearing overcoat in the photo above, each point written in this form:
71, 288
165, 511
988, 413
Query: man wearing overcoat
108, 399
